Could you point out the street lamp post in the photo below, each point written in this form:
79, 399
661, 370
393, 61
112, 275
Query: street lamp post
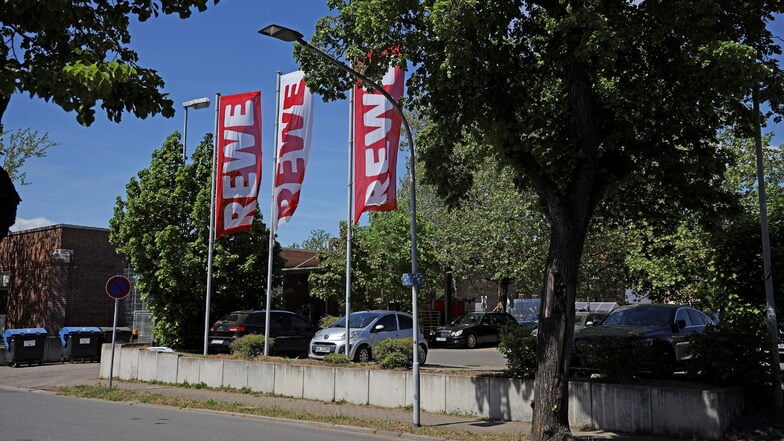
291, 35
198, 103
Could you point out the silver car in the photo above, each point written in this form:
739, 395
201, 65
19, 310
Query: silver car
367, 329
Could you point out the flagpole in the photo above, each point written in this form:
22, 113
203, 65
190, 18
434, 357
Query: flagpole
349, 218
273, 219
211, 239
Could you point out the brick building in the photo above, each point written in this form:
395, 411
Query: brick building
55, 276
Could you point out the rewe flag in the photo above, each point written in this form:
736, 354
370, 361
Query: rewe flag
376, 137
238, 162
295, 119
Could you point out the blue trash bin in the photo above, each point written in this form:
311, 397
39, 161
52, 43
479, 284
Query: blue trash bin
81, 343
24, 345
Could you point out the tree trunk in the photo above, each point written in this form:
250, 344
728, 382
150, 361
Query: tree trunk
556, 330
570, 213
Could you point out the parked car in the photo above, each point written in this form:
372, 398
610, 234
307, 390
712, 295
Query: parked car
291, 332
472, 329
531, 322
367, 329
661, 330
587, 318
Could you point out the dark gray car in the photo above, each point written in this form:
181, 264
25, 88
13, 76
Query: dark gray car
291, 332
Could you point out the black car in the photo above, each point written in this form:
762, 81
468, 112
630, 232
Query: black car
660, 332
291, 332
472, 329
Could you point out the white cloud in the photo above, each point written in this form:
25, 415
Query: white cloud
28, 224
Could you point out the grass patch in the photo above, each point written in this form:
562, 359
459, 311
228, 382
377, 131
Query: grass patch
104, 393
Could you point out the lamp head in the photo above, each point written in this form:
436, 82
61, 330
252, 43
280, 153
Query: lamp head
281, 33
198, 103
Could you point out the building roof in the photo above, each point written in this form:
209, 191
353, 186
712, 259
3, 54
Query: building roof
297, 259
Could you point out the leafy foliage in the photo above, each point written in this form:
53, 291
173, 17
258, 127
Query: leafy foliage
337, 359
18, 146
327, 320
162, 228
737, 351
395, 353
319, 240
250, 346
85, 59
519, 347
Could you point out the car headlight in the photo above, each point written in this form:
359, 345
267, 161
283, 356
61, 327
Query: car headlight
457, 333
354, 335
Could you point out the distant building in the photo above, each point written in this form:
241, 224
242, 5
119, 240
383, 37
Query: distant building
55, 276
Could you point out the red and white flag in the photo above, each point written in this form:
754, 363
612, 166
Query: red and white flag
376, 137
295, 119
238, 166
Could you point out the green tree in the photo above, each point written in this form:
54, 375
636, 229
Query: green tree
162, 228
319, 240
18, 146
582, 100
78, 54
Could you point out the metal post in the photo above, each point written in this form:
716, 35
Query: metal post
211, 239
349, 219
273, 221
766, 259
185, 137
114, 339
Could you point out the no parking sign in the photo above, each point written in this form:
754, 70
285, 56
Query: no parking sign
118, 287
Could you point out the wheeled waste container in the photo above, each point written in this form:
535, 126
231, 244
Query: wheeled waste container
24, 345
82, 343
123, 334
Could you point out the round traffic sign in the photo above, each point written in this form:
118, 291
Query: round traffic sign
118, 287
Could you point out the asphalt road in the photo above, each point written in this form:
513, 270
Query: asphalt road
30, 415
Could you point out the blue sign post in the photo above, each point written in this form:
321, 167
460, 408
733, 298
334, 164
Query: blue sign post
117, 287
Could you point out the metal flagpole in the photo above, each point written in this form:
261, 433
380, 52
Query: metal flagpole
273, 219
211, 240
349, 217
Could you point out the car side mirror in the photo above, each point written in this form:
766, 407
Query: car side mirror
679, 324
378, 328
588, 323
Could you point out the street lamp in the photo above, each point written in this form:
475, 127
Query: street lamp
291, 35
198, 103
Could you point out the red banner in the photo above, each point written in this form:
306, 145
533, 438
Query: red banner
376, 137
238, 166
295, 118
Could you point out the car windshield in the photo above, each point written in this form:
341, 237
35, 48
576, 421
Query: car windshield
638, 317
357, 320
531, 318
468, 319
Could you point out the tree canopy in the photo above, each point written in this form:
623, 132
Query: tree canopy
582, 100
77, 54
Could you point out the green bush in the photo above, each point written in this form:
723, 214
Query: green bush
339, 359
395, 353
250, 346
519, 347
327, 320
736, 352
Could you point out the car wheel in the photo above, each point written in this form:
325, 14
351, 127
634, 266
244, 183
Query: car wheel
471, 341
363, 354
423, 351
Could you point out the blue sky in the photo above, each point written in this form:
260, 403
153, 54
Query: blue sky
218, 51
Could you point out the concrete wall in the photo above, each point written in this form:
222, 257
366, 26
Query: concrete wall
702, 413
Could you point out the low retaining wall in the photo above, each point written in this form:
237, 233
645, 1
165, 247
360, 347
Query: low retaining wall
674, 411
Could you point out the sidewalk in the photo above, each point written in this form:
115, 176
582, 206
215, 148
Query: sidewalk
52, 376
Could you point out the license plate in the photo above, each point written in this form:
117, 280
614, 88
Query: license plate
84, 341
216, 342
28, 343
321, 349
440, 338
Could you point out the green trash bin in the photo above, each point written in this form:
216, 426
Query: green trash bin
24, 345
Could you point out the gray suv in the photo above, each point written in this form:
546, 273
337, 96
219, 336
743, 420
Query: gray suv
367, 329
